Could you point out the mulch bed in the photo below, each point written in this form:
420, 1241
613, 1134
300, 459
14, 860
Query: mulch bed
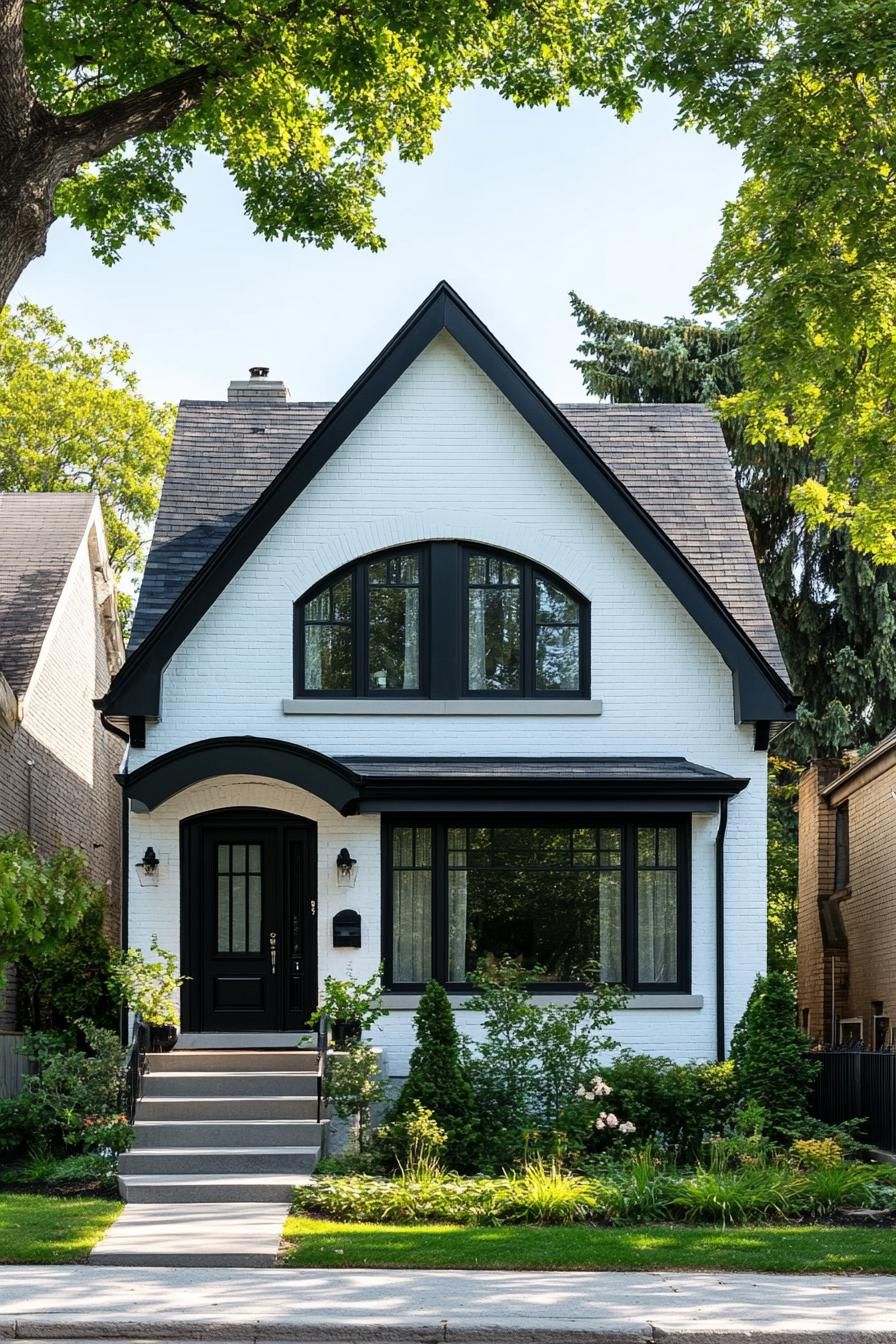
69, 1189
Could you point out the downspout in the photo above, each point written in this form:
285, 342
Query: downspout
125, 884
720, 929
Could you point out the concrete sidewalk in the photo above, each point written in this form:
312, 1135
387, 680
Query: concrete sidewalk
83, 1302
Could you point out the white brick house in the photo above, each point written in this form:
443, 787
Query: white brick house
515, 659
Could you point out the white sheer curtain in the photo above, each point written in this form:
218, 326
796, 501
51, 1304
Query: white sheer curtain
657, 931
477, 638
412, 927
411, 639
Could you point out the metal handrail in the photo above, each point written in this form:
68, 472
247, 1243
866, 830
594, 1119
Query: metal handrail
323, 1039
130, 1085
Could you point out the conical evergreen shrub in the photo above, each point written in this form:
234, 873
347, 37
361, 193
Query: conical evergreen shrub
437, 1079
771, 1062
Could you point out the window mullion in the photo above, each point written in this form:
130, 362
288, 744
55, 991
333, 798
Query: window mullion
630, 903
440, 902
527, 632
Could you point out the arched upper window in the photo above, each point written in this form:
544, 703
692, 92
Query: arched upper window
442, 620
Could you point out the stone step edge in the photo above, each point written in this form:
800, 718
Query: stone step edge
426, 1332
281, 1151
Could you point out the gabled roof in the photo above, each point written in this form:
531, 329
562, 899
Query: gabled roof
660, 472
39, 537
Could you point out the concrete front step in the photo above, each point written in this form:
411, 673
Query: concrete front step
234, 1061
260, 1083
237, 1187
227, 1108
220, 1161
226, 1133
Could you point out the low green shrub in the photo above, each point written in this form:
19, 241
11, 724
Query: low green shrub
44, 1170
823, 1190
642, 1187
675, 1105
371, 1199
752, 1194
70, 1104
543, 1193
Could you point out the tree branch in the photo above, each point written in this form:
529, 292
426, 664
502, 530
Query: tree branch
89, 135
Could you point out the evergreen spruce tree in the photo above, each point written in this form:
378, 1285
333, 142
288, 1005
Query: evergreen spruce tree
835, 612
771, 1064
437, 1078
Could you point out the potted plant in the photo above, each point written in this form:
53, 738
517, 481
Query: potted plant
148, 988
350, 1007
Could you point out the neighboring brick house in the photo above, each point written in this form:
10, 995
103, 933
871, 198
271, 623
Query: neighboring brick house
846, 946
446, 671
60, 644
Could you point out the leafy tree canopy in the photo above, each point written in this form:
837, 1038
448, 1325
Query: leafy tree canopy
42, 901
835, 611
102, 103
72, 418
807, 254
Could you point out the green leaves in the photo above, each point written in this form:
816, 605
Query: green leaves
41, 901
807, 256
303, 102
72, 418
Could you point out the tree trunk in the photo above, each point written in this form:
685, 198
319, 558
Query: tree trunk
26, 213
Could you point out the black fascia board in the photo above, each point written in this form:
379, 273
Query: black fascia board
350, 790
419, 791
759, 692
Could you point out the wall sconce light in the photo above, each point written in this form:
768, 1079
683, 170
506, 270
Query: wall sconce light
148, 868
346, 868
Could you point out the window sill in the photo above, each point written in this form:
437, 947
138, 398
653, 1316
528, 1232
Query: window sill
407, 1003
460, 708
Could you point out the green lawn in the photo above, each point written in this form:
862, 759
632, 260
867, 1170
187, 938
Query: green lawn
316, 1243
46, 1230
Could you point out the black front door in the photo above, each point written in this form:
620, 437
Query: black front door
250, 922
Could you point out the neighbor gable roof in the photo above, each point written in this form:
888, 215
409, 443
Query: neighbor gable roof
212, 529
39, 538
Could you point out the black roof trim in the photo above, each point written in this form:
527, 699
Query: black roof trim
417, 783
760, 693
158, 780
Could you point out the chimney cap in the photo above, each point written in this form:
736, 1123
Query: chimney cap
259, 371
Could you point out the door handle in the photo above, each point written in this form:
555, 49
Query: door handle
272, 939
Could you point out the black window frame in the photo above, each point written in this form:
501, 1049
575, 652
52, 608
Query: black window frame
444, 633
357, 570
628, 822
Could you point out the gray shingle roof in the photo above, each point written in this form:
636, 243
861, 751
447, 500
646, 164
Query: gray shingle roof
39, 537
671, 457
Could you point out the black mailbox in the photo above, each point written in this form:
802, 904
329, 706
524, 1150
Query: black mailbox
347, 929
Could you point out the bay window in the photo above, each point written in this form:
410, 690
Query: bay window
559, 899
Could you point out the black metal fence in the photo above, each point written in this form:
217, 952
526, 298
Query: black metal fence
859, 1084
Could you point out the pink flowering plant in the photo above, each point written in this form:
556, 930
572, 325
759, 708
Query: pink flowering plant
596, 1121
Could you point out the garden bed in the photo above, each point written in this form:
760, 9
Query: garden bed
316, 1243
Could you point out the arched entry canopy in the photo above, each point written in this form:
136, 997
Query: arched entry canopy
160, 779
389, 784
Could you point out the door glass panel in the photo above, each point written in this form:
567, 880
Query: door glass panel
239, 898
223, 907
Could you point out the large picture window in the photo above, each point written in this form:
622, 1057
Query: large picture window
559, 899
444, 620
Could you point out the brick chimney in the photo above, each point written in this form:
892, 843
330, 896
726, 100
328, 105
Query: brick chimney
258, 388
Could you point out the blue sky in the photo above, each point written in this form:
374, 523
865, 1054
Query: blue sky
514, 208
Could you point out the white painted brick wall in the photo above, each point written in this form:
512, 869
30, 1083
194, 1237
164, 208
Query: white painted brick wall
445, 455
